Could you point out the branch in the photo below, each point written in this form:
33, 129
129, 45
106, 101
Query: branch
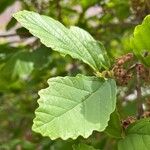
58, 6
140, 109
120, 24
14, 34
147, 3
8, 35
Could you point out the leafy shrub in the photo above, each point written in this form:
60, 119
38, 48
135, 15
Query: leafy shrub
76, 106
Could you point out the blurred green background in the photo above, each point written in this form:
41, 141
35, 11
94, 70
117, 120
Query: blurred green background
25, 64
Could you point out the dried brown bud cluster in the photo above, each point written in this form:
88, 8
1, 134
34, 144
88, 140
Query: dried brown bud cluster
123, 70
125, 58
146, 113
128, 121
121, 74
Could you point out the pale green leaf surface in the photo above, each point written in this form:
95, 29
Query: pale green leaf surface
140, 42
74, 41
138, 136
73, 106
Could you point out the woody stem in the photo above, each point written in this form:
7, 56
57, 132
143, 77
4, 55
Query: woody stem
140, 109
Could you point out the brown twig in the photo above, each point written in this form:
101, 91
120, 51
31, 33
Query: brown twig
120, 24
147, 3
14, 34
58, 6
139, 95
8, 35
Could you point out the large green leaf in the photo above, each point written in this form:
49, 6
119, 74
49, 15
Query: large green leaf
73, 106
74, 41
140, 41
138, 136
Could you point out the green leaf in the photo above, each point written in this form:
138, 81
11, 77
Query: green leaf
74, 41
86, 3
138, 136
16, 66
83, 147
140, 41
11, 23
121, 8
73, 106
22, 63
23, 32
114, 128
6, 52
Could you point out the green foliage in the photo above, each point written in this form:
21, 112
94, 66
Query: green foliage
74, 41
73, 106
137, 136
20, 64
11, 23
140, 41
4, 4
83, 147
84, 91
88, 103
86, 3
121, 8
114, 127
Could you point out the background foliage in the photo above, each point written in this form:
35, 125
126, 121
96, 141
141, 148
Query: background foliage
25, 66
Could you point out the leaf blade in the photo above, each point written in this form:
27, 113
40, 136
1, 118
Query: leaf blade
72, 106
74, 41
140, 41
114, 128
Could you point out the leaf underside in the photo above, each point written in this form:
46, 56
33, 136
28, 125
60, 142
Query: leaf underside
75, 41
73, 106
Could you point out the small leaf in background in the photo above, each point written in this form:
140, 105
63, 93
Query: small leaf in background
74, 41
140, 41
129, 109
83, 147
6, 51
22, 63
114, 128
137, 136
86, 3
17, 66
73, 106
121, 8
11, 23
23, 32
